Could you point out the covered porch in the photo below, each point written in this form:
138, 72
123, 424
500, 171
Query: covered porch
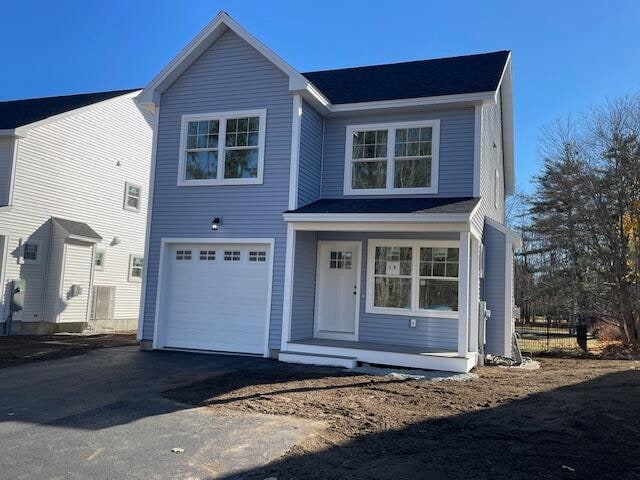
397, 288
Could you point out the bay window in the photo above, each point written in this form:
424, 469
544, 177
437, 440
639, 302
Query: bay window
224, 148
413, 277
392, 158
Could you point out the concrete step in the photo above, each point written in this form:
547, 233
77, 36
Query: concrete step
318, 359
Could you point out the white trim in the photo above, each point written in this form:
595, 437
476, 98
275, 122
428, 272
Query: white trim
147, 234
92, 274
377, 217
104, 259
296, 123
357, 266
222, 117
204, 40
126, 205
14, 167
353, 226
477, 150
59, 310
4, 251
414, 311
414, 102
166, 241
474, 294
448, 361
496, 188
463, 294
287, 301
504, 94
131, 278
390, 158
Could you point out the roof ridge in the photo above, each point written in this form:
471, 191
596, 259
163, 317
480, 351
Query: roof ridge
407, 62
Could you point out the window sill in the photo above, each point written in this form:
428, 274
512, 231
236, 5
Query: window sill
211, 183
398, 191
413, 313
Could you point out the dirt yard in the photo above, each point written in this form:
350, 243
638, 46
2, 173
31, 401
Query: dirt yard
18, 349
573, 418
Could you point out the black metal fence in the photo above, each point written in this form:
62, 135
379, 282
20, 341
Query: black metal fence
547, 335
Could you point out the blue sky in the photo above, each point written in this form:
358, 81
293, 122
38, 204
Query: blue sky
568, 55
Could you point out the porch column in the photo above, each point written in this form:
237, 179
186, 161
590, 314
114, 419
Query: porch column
463, 294
474, 294
285, 333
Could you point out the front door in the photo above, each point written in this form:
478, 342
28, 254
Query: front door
337, 292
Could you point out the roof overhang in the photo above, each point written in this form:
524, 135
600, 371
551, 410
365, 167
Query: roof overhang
77, 231
512, 236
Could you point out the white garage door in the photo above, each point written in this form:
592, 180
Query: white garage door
215, 297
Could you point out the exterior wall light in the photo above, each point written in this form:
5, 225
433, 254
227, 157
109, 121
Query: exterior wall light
215, 223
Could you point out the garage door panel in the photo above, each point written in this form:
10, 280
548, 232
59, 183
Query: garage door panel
216, 304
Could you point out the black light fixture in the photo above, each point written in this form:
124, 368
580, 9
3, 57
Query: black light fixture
215, 223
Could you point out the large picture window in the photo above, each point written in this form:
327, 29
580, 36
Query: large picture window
392, 158
413, 277
222, 148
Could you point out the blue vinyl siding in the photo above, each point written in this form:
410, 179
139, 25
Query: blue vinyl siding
456, 148
310, 169
229, 76
494, 289
304, 286
395, 329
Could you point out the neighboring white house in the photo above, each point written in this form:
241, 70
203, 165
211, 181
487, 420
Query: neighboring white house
74, 176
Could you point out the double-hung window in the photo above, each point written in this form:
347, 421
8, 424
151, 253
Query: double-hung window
412, 277
224, 148
397, 158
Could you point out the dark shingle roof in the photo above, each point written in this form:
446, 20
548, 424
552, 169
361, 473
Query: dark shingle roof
390, 205
78, 229
15, 113
424, 78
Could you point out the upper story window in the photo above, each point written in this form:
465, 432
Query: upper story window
99, 259
395, 158
224, 148
30, 252
132, 195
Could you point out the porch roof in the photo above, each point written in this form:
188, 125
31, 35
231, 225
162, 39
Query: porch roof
453, 205
77, 230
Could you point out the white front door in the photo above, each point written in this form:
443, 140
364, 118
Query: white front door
337, 292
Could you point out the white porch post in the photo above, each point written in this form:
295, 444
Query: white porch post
474, 294
285, 334
463, 294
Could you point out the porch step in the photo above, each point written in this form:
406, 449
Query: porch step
318, 359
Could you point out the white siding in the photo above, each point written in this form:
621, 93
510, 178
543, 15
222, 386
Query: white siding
69, 169
6, 168
77, 271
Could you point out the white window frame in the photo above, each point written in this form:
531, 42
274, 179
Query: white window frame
29, 261
390, 158
100, 268
131, 278
222, 118
414, 311
126, 205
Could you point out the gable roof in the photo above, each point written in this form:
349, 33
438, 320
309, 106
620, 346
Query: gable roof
17, 113
424, 78
77, 230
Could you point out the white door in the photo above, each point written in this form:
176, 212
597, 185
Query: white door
337, 293
215, 297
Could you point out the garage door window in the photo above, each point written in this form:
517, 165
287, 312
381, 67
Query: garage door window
257, 256
208, 255
232, 255
183, 255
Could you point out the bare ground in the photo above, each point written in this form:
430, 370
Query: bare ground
573, 418
21, 349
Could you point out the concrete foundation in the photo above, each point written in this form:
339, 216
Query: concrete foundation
94, 326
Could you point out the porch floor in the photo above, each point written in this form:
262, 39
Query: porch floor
380, 347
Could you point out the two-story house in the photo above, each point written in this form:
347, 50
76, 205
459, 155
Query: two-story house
74, 176
331, 217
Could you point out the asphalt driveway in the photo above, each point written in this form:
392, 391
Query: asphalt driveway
102, 415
